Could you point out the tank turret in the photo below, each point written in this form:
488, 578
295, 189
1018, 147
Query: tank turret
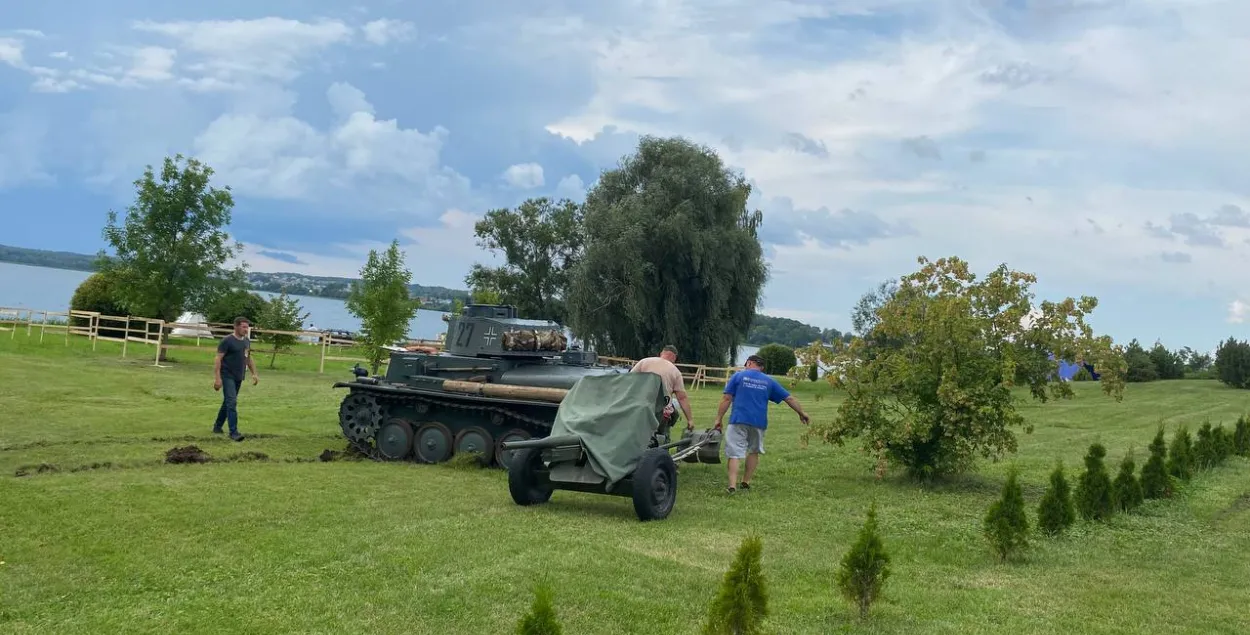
499, 378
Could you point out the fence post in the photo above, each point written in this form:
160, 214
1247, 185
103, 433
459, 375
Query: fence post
325, 343
160, 337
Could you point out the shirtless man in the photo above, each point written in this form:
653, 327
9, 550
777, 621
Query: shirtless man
663, 365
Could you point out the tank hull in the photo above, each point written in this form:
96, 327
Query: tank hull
429, 407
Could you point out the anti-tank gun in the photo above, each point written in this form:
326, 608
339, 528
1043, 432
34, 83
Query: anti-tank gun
500, 378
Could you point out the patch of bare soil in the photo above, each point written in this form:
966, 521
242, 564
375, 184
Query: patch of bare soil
187, 454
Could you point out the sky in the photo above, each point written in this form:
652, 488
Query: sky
1098, 144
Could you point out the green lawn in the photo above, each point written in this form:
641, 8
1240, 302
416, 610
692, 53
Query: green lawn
128, 544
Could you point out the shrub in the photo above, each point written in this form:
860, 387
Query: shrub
1181, 455
1056, 512
1241, 437
1005, 523
1126, 490
778, 358
236, 303
813, 372
1223, 442
541, 619
866, 567
98, 293
742, 603
1093, 490
1204, 448
1155, 480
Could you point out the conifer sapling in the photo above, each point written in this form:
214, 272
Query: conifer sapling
1127, 489
866, 567
1181, 455
1006, 525
1056, 512
1155, 480
742, 603
1223, 443
1241, 437
541, 620
1093, 490
1204, 448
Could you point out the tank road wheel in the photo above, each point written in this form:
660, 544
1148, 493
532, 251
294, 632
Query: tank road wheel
655, 485
476, 440
503, 458
394, 440
360, 416
433, 444
527, 480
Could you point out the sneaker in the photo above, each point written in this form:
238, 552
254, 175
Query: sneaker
217, 431
745, 485
729, 490
236, 436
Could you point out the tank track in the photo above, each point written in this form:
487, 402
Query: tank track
362, 414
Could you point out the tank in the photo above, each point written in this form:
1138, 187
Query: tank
500, 378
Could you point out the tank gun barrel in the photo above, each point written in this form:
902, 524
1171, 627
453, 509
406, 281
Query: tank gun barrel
554, 395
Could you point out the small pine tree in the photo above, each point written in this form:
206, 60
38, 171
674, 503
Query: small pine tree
1155, 480
1056, 512
1093, 490
1223, 442
813, 372
1005, 524
1204, 448
866, 567
1241, 437
1181, 455
742, 604
541, 620
1127, 490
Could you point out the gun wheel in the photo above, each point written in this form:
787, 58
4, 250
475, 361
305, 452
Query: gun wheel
527, 478
655, 485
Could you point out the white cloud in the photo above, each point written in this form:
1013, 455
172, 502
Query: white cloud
60, 55
524, 175
1238, 311
386, 30
571, 187
11, 52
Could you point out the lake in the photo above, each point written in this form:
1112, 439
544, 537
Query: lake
45, 289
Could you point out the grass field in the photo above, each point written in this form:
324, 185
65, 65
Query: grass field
126, 544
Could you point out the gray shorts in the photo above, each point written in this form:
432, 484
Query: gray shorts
743, 439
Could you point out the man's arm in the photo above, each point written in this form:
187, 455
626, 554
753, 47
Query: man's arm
684, 400
794, 405
251, 365
725, 400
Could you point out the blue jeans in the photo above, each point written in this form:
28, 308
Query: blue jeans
229, 403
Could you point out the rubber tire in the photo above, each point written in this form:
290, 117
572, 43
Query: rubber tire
655, 463
524, 482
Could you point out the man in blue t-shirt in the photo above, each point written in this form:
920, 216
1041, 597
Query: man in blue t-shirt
750, 391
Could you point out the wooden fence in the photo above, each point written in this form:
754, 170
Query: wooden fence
128, 330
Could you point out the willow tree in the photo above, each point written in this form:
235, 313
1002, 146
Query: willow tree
671, 256
944, 391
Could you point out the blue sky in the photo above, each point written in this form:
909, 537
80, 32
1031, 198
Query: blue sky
1096, 143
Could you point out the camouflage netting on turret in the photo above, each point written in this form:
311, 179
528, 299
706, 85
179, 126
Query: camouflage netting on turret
534, 340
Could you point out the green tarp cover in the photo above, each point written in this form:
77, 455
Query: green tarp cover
615, 416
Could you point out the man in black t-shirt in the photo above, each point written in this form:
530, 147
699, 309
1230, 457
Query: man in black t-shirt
234, 353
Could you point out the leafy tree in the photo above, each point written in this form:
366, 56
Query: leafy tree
236, 303
766, 329
1006, 525
99, 294
742, 603
171, 251
1232, 363
380, 299
672, 257
281, 313
541, 240
1155, 480
942, 392
541, 619
778, 359
1094, 496
1126, 489
1241, 437
485, 295
865, 567
1181, 455
1056, 511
